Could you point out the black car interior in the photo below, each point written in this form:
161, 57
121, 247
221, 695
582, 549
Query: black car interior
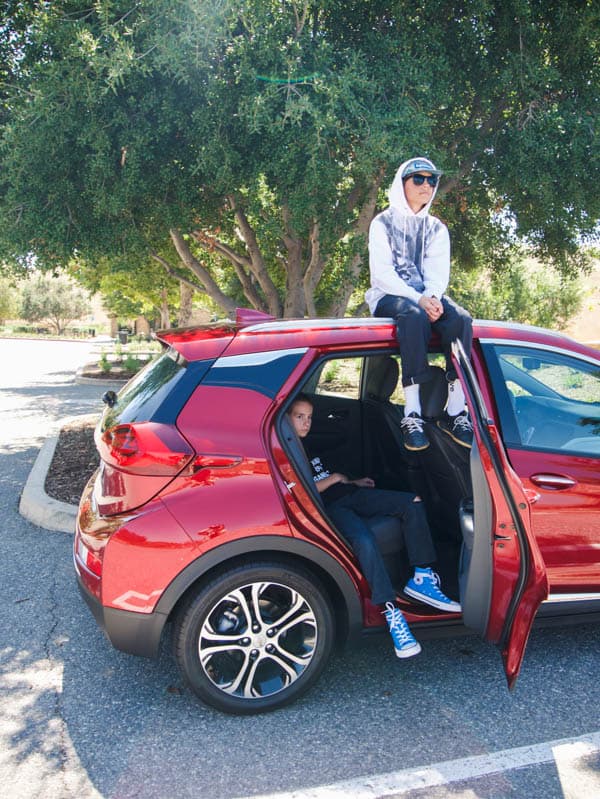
363, 437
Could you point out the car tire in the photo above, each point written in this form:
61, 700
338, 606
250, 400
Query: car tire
255, 638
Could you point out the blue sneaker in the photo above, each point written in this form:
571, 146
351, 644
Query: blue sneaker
413, 435
404, 641
424, 586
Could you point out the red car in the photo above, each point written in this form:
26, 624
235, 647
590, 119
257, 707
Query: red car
203, 514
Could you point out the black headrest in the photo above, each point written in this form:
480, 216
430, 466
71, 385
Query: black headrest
382, 378
434, 393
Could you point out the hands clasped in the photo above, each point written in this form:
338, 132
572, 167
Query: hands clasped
432, 307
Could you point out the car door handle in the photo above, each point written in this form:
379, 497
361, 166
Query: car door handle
554, 481
337, 416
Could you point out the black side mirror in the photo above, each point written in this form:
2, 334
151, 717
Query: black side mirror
109, 398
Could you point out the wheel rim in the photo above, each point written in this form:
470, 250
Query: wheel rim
258, 640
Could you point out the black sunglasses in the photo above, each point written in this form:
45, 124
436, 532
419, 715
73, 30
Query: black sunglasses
418, 180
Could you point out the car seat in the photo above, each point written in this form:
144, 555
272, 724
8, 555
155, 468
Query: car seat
440, 474
390, 464
386, 529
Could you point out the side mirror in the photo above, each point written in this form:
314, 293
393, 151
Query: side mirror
109, 398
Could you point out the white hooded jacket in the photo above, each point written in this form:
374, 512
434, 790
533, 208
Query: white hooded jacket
409, 254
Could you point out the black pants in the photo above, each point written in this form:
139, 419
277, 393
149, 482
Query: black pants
351, 512
413, 330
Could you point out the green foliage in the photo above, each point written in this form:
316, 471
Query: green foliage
131, 363
525, 292
53, 300
242, 145
104, 364
10, 299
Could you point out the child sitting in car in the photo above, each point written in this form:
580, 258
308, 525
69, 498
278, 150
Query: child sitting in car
349, 504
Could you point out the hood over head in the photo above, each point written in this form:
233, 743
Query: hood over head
396, 195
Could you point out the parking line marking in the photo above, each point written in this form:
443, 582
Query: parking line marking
564, 753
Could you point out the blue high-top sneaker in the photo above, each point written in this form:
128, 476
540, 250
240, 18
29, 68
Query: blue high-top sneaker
424, 586
405, 643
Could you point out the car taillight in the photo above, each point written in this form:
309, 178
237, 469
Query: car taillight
90, 558
145, 448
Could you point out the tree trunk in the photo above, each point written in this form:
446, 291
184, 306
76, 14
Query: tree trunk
294, 295
165, 319
257, 263
314, 270
186, 293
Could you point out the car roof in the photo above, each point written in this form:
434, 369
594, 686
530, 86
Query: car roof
256, 332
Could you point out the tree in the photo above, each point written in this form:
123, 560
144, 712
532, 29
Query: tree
128, 291
244, 146
524, 291
54, 300
9, 299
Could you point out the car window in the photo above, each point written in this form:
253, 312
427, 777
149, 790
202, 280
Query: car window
140, 398
339, 377
551, 400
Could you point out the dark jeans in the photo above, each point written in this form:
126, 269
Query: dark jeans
349, 514
413, 330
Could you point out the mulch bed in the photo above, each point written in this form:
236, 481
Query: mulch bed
75, 460
75, 456
114, 373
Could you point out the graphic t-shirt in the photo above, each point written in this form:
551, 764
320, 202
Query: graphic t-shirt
320, 471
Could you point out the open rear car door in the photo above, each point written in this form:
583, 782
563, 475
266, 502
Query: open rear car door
502, 574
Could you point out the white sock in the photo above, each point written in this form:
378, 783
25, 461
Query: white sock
412, 401
456, 398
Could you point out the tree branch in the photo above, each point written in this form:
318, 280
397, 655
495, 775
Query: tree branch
173, 272
256, 263
240, 263
187, 257
487, 126
300, 20
213, 244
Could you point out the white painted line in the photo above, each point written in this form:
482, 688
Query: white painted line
576, 781
565, 753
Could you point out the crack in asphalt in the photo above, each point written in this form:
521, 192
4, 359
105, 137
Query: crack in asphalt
50, 646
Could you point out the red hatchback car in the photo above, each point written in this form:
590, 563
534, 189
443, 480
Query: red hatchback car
203, 513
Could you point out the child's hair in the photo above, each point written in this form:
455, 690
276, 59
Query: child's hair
301, 397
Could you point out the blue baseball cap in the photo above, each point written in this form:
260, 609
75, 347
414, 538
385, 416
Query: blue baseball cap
420, 165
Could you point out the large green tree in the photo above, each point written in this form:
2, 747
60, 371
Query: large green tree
244, 146
54, 300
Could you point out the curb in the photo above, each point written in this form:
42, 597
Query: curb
81, 379
35, 505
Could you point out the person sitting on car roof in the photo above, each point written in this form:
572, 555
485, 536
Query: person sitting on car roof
349, 504
409, 262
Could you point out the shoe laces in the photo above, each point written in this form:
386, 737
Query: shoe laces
432, 577
463, 422
397, 623
414, 424
427, 574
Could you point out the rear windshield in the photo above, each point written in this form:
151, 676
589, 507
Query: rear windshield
141, 399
